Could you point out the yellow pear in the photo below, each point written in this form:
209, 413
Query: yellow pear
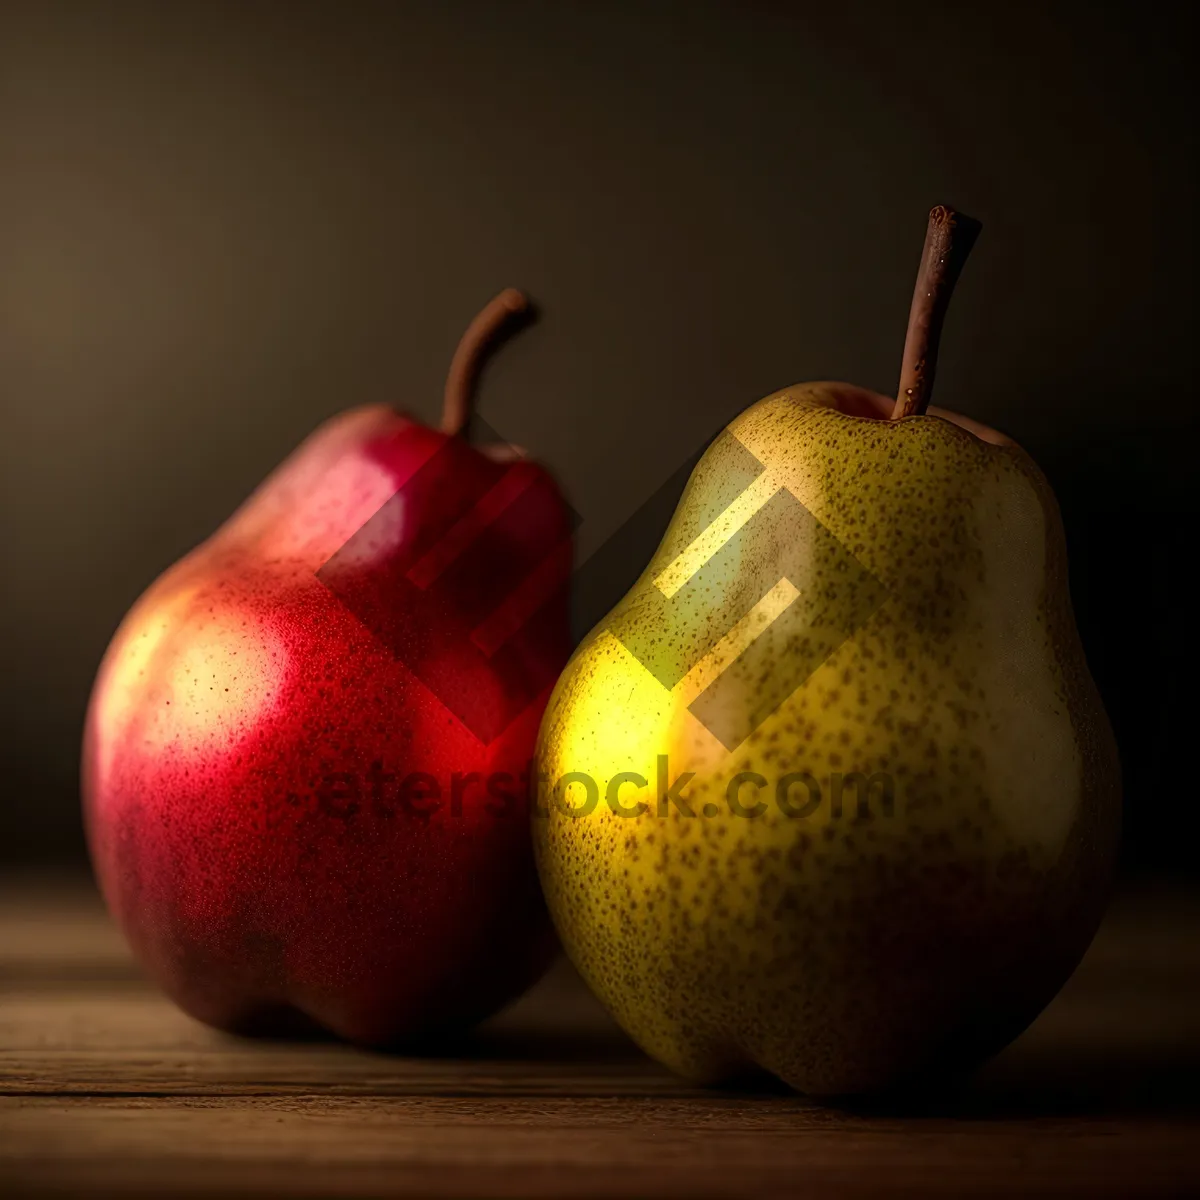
831, 792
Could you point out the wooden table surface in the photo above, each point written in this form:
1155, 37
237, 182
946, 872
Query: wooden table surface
105, 1088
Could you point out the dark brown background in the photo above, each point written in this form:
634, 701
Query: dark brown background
221, 224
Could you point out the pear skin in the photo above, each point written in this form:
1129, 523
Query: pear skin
831, 792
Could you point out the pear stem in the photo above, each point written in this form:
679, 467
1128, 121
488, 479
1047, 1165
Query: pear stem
468, 358
948, 241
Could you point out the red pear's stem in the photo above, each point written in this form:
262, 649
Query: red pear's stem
464, 367
948, 241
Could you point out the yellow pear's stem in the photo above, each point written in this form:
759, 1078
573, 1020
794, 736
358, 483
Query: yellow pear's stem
948, 241
464, 367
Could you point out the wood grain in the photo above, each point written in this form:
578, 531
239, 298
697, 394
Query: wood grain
106, 1089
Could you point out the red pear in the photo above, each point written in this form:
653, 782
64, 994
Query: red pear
306, 753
